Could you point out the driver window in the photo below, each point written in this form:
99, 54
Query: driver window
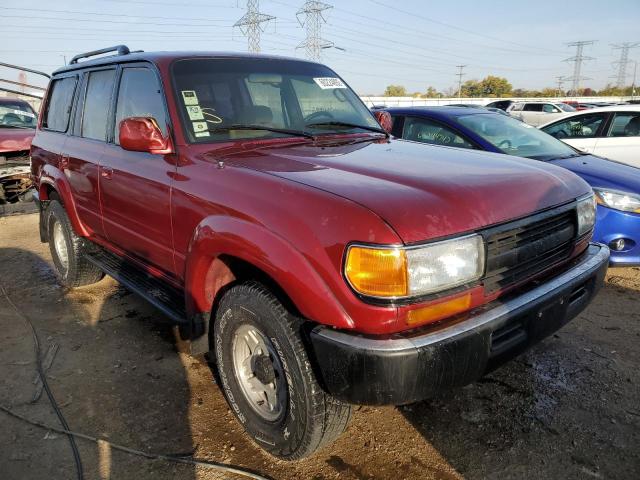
549, 108
584, 126
140, 96
427, 131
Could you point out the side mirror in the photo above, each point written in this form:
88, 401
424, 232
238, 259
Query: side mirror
142, 134
384, 119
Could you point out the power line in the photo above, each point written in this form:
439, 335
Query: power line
577, 60
623, 62
460, 75
251, 24
312, 22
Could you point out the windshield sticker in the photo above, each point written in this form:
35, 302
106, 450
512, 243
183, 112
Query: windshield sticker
202, 134
329, 82
199, 127
189, 97
195, 112
19, 112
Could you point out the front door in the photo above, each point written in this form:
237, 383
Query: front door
135, 187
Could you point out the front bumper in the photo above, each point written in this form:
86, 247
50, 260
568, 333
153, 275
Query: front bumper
613, 225
405, 368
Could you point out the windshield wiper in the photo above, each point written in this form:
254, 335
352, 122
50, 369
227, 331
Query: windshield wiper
347, 125
286, 131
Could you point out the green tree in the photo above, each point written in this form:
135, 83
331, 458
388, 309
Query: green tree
432, 93
395, 91
471, 88
495, 86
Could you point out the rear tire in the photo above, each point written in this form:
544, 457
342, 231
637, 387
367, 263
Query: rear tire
267, 377
68, 249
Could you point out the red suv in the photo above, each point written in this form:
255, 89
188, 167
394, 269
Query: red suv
259, 204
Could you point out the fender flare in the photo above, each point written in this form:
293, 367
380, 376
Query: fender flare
221, 235
54, 178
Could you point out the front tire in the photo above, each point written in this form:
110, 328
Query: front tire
67, 249
267, 377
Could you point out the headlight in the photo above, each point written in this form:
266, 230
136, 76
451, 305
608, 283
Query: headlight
586, 214
400, 272
627, 202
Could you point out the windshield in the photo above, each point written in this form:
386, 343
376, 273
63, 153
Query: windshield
17, 114
516, 138
565, 107
278, 97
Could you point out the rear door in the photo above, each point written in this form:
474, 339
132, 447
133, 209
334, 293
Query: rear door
135, 187
85, 146
579, 131
621, 140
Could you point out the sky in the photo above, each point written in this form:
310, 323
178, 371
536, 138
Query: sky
411, 43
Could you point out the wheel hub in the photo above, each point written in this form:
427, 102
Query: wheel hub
60, 245
259, 372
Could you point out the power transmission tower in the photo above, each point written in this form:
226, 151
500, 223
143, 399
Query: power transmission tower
577, 60
460, 75
621, 77
560, 81
251, 24
313, 20
633, 84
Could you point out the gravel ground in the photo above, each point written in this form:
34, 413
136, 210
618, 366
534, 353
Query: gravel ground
567, 409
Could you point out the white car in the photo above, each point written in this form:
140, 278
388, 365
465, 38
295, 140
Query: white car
538, 113
610, 132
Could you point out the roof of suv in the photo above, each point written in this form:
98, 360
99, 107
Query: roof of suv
159, 56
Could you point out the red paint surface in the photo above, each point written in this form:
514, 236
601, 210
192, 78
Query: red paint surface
15, 139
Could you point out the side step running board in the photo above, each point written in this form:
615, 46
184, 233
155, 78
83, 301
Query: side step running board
169, 300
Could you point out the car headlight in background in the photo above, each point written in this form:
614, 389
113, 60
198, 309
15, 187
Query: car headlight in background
586, 214
401, 272
624, 201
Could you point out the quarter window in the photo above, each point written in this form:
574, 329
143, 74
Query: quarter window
533, 107
427, 131
96, 104
625, 125
140, 96
583, 126
56, 117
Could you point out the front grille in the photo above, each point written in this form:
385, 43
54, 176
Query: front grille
518, 250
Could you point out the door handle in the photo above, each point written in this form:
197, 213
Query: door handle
64, 161
106, 172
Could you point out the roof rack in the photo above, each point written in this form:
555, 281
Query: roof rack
120, 49
12, 82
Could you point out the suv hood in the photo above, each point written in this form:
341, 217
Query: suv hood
15, 139
421, 191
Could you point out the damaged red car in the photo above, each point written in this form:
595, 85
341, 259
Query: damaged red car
318, 262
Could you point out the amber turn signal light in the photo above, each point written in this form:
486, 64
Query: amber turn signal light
438, 311
377, 272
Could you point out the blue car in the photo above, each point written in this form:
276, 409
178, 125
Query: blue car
616, 186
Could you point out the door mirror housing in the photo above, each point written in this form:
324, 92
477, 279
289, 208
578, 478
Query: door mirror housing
384, 119
142, 134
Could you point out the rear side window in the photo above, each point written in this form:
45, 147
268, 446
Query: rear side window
56, 117
140, 96
625, 125
533, 107
96, 104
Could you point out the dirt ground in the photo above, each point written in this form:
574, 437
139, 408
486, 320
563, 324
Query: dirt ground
567, 409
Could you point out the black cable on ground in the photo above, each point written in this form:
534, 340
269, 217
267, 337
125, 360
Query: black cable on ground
45, 384
152, 456
72, 435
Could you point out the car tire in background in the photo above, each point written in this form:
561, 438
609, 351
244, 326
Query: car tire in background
267, 376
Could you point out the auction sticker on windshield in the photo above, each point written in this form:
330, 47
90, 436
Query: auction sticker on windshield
195, 112
189, 97
329, 82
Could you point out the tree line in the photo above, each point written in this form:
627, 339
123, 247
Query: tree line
496, 87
